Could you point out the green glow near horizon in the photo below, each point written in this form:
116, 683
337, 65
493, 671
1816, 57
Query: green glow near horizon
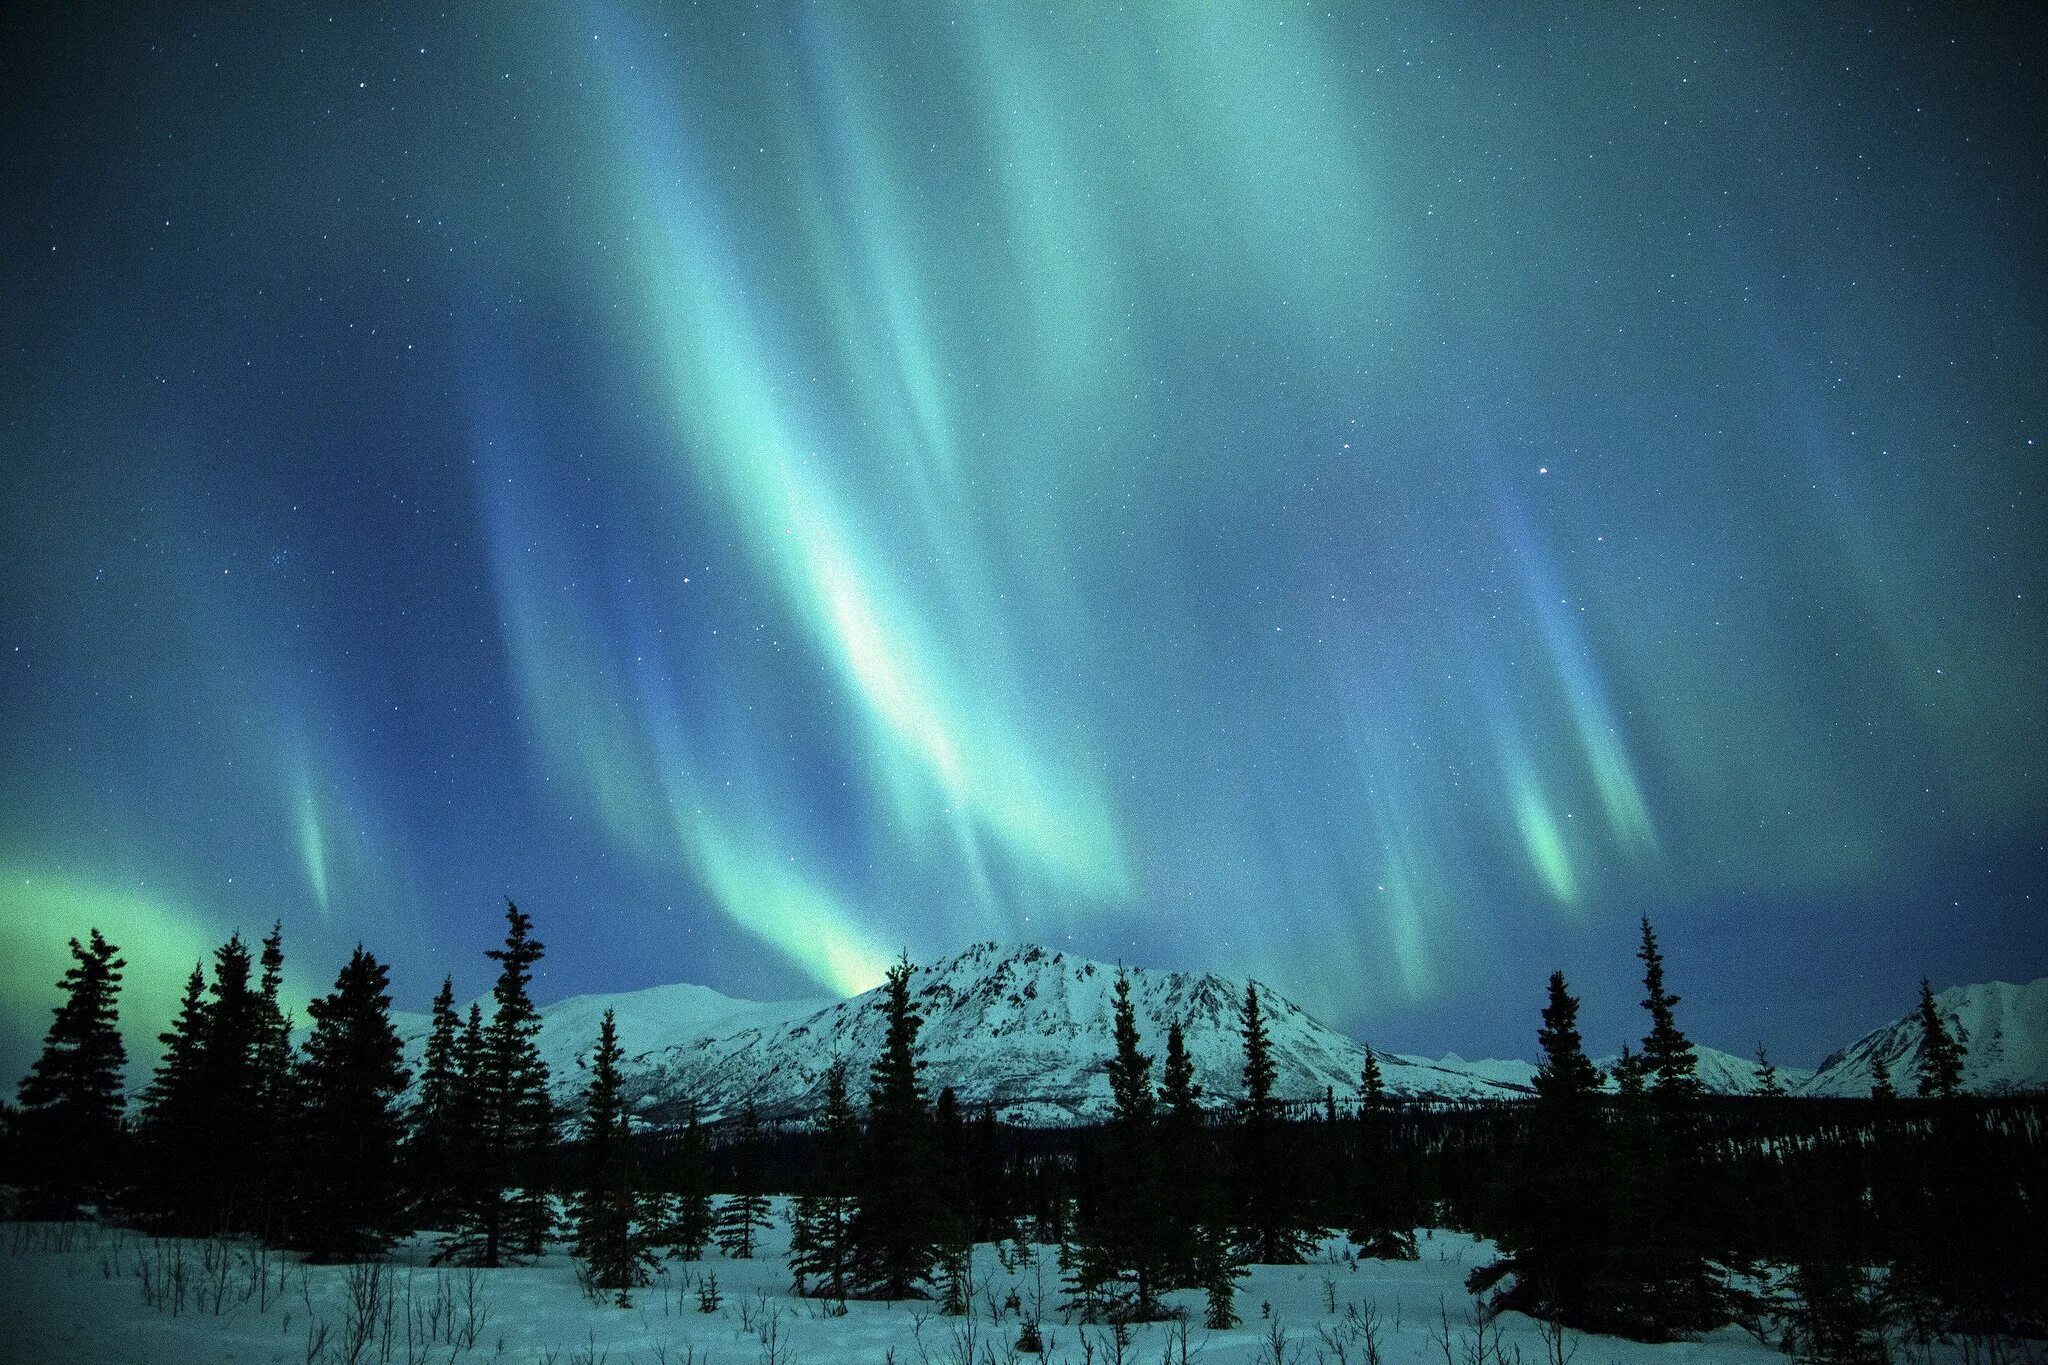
160, 936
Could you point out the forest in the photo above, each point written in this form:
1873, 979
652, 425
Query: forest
1634, 1205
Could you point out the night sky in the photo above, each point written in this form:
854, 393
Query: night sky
1375, 497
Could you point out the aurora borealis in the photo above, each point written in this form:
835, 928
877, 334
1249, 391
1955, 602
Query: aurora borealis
1377, 497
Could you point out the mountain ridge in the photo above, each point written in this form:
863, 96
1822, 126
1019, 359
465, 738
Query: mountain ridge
1026, 1030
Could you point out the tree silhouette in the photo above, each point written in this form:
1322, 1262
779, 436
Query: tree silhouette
895, 1221
71, 1099
607, 1209
347, 1190
1268, 1228
507, 1213
1941, 1052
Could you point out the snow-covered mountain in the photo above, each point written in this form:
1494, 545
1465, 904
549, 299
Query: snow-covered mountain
2004, 1028
1512, 1072
1724, 1073
658, 1019
1025, 1029
1028, 1030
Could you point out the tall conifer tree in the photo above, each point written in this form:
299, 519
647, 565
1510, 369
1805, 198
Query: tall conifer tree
173, 1115
71, 1100
744, 1215
466, 1181
1190, 1200
1554, 1232
687, 1222
433, 1145
821, 1232
607, 1209
1668, 1056
1941, 1052
896, 1223
232, 1157
1381, 1215
953, 1221
1768, 1086
1656, 1277
347, 1190
1120, 1257
1268, 1228
507, 1212
277, 1095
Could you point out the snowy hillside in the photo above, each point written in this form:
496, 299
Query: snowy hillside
658, 1019
2005, 1028
1724, 1073
1512, 1072
1026, 1029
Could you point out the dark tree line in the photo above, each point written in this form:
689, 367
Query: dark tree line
1635, 1204
243, 1132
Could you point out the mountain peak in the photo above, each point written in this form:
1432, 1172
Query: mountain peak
2004, 1029
1021, 1027
1027, 1029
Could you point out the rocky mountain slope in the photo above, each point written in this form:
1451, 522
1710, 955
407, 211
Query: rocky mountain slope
2004, 1028
1026, 1029
1724, 1073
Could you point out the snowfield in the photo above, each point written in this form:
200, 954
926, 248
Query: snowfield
84, 1293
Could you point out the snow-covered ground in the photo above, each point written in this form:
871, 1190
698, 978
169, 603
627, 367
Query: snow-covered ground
89, 1294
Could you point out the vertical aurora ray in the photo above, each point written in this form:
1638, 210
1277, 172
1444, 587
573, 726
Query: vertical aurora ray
613, 730
746, 440
1592, 718
312, 839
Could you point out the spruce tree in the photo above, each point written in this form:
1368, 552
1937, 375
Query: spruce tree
233, 1153
895, 1223
1941, 1053
953, 1227
1381, 1222
1668, 1055
205, 1138
1268, 1229
1565, 1075
821, 1231
277, 1095
433, 1147
348, 1191
686, 1224
1188, 1194
1881, 1088
1629, 1073
1179, 1096
1768, 1085
1121, 1253
173, 1116
744, 1215
1137, 1232
71, 1099
1220, 1273
507, 1212
1836, 1316
607, 1209
989, 1193
1655, 1279
1554, 1228
465, 1188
